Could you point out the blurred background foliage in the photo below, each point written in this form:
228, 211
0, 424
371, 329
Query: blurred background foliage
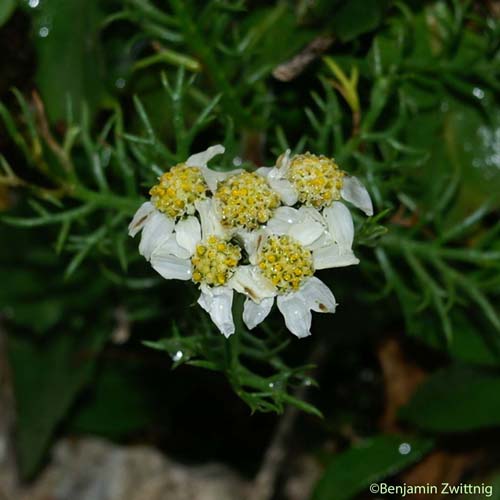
98, 98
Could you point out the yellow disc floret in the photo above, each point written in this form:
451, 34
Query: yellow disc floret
246, 201
215, 261
317, 179
285, 262
178, 189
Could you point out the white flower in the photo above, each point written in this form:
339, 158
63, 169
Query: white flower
295, 306
199, 220
315, 181
176, 194
328, 235
283, 257
282, 266
201, 253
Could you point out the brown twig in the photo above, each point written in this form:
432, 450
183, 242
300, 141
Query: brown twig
45, 132
291, 69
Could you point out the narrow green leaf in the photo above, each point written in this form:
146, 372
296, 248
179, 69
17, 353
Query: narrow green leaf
45, 220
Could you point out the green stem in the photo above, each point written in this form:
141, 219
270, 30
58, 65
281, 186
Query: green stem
430, 250
105, 200
232, 345
170, 57
203, 50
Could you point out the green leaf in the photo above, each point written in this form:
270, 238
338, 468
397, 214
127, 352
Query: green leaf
352, 471
355, 17
39, 315
472, 341
116, 404
456, 399
46, 381
70, 66
6, 9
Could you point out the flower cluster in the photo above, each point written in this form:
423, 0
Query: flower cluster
262, 234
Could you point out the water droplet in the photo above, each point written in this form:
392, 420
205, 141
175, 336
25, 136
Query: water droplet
43, 32
177, 356
271, 385
120, 83
34, 3
477, 92
404, 448
237, 161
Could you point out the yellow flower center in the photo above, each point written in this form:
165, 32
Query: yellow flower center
317, 179
246, 201
215, 261
178, 189
285, 263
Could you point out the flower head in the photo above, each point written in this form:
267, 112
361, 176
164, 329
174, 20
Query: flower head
246, 201
201, 252
318, 180
178, 189
176, 195
214, 261
315, 181
229, 232
283, 258
285, 262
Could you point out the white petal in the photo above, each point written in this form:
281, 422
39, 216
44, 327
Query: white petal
141, 216
188, 233
283, 162
354, 192
254, 314
282, 219
171, 267
156, 230
340, 225
213, 177
287, 193
217, 301
311, 213
251, 242
210, 222
201, 159
306, 232
171, 247
297, 315
324, 240
331, 256
318, 296
264, 171
249, 281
